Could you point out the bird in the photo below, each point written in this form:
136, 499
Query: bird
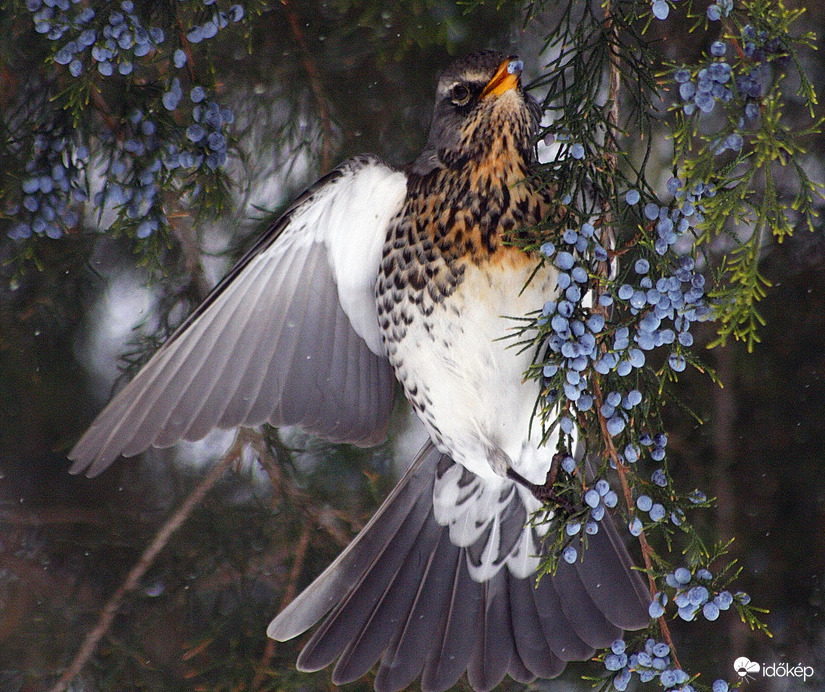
378, 277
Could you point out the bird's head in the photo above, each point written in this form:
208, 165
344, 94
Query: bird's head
481, 111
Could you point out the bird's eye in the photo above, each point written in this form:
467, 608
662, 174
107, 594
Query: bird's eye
460, 95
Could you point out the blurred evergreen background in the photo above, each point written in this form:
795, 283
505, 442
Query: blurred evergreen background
311, 82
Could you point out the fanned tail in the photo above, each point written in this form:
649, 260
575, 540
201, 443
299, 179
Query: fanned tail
402, 595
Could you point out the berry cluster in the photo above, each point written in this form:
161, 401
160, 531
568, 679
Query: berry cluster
597, 499
122, 40
653, 661
133, 177
205, 135
664, 309
758, 46
691, 594
656, 510
573, 342
718, 81
713, 83
719, 9
55, 178
219, 20
137, 159
673, 302
576, 331
52, 18
657, 443
752, 84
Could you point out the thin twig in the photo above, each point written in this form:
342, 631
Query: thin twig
314, 83
289, 595
283, 487
614, 89
53, 515
146, 560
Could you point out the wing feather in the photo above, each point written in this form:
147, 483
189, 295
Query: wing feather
242, 354
289, 336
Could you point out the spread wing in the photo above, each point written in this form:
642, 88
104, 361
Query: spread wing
290, 336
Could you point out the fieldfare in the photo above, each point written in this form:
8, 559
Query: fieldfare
376, 276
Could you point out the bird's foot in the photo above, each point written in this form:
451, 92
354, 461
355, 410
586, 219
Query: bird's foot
545, 493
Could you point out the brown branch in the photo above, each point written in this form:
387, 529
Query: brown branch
621, 468
103, 109
184, 230
614, 88
146, 560
284, 487
298, 565
289, 595
647, 551
314, 82
53, 515
187, 48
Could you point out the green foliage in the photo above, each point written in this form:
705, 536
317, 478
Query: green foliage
737, 175
749, 205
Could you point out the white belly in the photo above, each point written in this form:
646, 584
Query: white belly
464, 363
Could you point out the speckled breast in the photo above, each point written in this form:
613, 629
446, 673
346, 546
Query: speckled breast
446, 286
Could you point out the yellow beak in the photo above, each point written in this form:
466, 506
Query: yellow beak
506, 77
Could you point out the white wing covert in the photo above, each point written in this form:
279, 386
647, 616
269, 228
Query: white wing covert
290, 336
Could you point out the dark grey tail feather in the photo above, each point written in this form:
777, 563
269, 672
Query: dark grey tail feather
394, 597
402, 592
560, 636
587, 620
518, 671
454, 647
607, 572
404, 657
342, 625
531, 641
333, 584
494, 646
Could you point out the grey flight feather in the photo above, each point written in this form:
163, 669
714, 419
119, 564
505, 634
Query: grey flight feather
285, 338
